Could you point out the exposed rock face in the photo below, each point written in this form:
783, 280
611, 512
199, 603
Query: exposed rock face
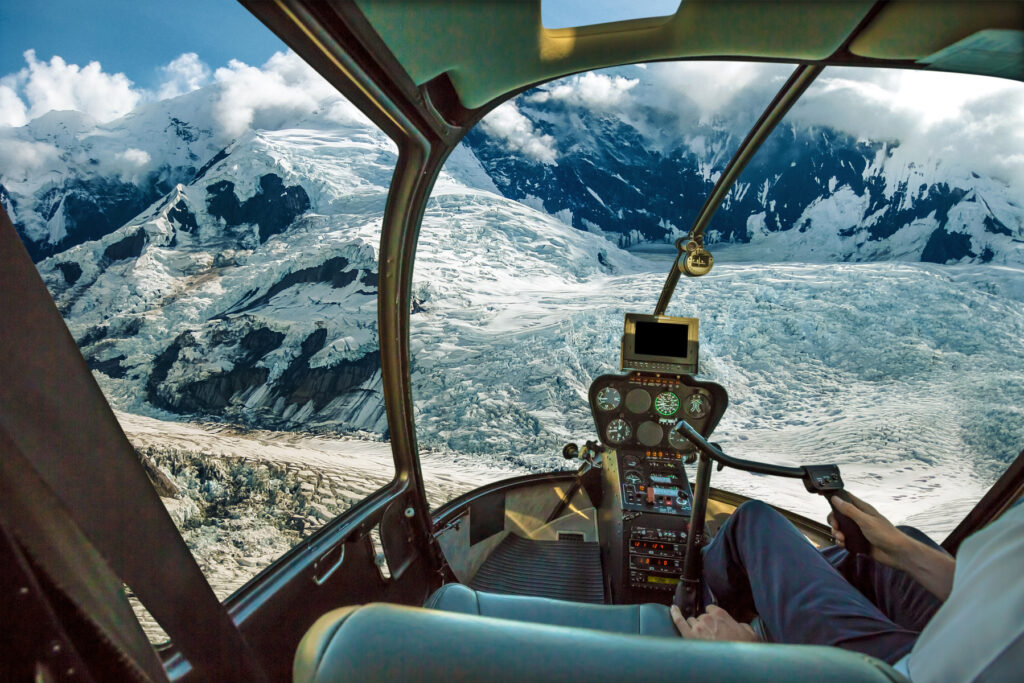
111, 367
247, 392
334, 271
272, 208
71, 271
126, 248
199, 305
89, 208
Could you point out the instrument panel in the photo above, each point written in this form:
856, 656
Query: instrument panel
638, 410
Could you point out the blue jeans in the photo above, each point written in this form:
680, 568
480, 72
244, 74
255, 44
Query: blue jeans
759, 563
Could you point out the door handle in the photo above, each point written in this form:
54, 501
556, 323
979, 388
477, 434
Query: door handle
328, 563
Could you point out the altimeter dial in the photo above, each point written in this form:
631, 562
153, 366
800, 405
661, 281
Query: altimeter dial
608, 398
618, 431
666, 403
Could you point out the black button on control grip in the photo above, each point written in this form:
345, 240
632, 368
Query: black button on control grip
853, 538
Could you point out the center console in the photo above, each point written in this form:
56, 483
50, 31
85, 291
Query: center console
645, 512
648, 521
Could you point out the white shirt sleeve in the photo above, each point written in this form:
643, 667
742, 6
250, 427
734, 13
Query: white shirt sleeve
978, 633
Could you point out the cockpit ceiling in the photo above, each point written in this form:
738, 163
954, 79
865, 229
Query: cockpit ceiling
489, 48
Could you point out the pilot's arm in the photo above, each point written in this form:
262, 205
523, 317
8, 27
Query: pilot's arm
930, 567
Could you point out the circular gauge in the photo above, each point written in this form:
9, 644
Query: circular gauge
618, 431
650, 433
631, 461
633, 478
678, 441
666, 403
697, 405
608, 398
638, 401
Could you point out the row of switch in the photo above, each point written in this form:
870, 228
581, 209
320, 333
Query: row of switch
669, 535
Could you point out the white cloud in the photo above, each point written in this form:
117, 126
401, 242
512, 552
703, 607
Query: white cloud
974, 122
260, 97
57, 85
135, 157
682, 95
183, 75
13, 111
20, 159
129, 163
508, 123
266, 97
592, 90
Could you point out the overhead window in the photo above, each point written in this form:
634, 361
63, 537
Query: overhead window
570, 13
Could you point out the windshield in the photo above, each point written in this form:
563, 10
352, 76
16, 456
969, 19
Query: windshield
864, 308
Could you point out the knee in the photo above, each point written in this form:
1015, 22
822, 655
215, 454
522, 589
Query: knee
757, 512
755, 508
755, 520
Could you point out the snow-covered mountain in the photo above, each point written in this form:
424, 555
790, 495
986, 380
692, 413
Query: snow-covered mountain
811, 193
79, 180
242, 285
247, 291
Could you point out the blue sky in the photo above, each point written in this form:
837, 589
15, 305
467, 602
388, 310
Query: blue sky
133, 37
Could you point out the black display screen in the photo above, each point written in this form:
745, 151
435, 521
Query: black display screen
661, 339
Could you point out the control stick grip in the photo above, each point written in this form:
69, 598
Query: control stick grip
853, 538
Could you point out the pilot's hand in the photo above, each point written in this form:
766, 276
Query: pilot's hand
887, 542
714, 624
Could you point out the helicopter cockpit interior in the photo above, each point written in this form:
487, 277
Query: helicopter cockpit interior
632, 504
548, 575
616, 546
